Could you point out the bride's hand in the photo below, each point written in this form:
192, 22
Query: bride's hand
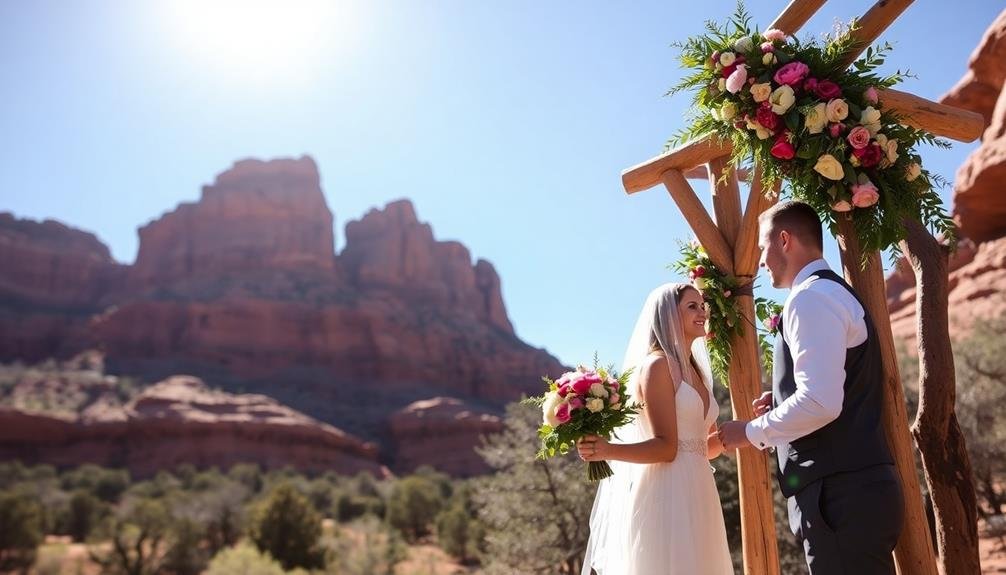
592, 448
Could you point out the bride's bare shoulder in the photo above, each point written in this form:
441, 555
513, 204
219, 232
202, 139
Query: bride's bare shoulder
656, 366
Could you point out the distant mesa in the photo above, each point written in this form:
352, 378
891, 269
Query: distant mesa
243, 289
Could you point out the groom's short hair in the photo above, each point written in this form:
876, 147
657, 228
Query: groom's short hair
797, 218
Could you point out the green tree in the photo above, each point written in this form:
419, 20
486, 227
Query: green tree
139, 536
187, 554
85, 511
535, 512
414, 504
459, 531
20, 531
107, 484
288, 528
366, 547
981, 392
243, 560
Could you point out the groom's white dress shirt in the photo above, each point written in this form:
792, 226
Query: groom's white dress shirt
821, 320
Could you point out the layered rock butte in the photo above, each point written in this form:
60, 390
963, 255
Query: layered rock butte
244, 290
978, 267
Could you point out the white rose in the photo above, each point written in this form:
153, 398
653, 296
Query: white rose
761, 131
728, 111
727, 58
829, 167
913, 171
838, 110
761, 92
597, 390
595, 404
870, 115
782, 99
816, 118
700, 283
744, 44
552, 401
768, 58
722, 84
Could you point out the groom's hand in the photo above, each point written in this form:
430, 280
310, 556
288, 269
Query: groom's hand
763, 404
733, 436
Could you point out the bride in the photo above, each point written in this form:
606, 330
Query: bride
660, 513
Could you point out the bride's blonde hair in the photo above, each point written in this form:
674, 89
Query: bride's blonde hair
678, 291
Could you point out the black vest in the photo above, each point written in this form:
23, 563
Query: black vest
853, 441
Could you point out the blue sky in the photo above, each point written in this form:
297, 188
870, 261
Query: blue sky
506, 123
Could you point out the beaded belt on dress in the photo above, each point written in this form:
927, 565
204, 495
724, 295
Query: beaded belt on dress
697, 446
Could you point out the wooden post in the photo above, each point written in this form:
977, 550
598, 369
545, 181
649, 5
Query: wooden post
914, 554
760, 549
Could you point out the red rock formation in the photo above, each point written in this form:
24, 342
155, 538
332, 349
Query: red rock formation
441, 432
978, 268
977, 290
979, 201
244, 287
257, 214
178, 421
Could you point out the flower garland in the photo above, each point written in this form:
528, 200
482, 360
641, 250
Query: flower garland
814, 123
723, 319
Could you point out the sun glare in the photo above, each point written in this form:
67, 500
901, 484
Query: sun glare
263, 41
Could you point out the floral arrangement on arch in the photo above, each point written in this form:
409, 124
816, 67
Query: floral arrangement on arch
815, 124
723, 320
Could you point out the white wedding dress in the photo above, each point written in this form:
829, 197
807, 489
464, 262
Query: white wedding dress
673, 522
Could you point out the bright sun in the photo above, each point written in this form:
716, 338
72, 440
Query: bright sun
263, 41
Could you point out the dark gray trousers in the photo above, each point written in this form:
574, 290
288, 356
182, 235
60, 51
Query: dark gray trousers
848, 523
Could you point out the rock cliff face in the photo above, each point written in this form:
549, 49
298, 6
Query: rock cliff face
978, 268
176, 421
243, 288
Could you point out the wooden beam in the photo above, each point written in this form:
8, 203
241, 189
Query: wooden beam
877, 19
702, 173
940, 119
650, 173
760, 548
914, 553
796, 15
697, 217
746, 248
726, 198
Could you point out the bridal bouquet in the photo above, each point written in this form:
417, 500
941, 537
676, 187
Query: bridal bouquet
580, 403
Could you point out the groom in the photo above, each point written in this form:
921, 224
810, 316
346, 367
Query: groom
823, 415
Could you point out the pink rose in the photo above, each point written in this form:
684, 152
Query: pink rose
836, 129
774, 34
582, 385
859, 137
699, 271
564, 390
575, 403
562, 413
810, 84
871, 95
613, 398
737, 79
869, 156
827, 90
841, 206
792, 74
864, 195
767, 47
766, 117
782, 149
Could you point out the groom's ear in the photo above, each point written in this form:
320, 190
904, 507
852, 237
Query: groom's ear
785, 240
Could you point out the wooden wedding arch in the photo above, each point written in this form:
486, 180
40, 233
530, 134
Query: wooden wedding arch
730, 238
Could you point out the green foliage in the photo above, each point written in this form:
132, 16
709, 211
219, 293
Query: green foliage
724, 320
981, 393
905, 190
459, 531
20, 530
106, 484
187, 554
85, 512
244, 559
139, 534
414, 504
535, 511
288, 528
365, 547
